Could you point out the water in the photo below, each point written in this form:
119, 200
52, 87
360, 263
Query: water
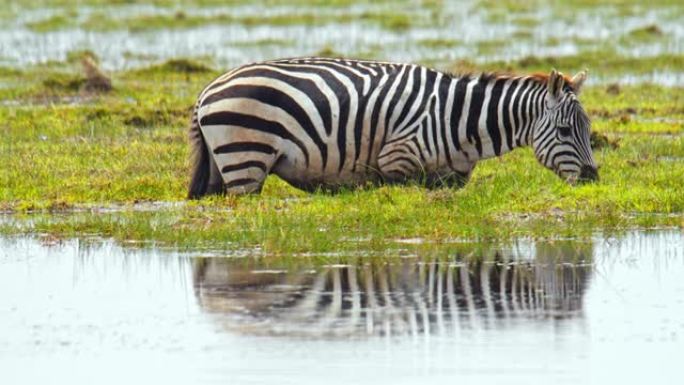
609, 310
478, 34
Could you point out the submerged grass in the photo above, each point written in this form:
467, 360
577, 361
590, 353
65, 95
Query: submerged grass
64, 150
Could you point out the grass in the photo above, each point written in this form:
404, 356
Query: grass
51, 23
599, 60
77, 163
437, 43
106, 21
128, 148
490, 47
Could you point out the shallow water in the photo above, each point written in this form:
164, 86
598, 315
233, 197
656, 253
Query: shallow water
472, 32
609, 310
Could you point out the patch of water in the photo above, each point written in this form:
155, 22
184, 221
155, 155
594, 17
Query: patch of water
98, 209
665, 78
673, 159
601, 311
466, 25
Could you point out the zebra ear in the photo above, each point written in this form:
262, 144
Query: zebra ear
578, 80
554, 87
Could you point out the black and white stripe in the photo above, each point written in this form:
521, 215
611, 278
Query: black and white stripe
331, 123
402, 298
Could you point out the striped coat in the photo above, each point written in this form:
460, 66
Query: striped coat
398, 298
332, 123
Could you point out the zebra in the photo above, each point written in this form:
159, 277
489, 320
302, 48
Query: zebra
403, 297
325, 123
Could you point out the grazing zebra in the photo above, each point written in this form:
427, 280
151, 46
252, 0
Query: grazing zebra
400, 298
329, 123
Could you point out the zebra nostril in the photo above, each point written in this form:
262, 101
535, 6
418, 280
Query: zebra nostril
588, 173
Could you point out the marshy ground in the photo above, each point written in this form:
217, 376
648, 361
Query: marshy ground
100, 159
516, 276
107, 155
68, 150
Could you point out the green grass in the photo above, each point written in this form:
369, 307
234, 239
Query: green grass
129, 147
51, 23
438, 43
490, 47
389, 18
597, 60
76, 163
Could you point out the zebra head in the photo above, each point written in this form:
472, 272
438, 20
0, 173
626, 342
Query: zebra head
561, 138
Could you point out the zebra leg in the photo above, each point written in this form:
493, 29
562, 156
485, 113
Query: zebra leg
206, 178
244, 172
401, 162
243, 165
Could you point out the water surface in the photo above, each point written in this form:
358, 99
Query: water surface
608, 310
439, 36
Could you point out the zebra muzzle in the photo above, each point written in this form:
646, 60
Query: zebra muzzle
588, 174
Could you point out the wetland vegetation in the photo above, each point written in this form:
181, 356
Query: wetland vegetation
78, 162
516, 277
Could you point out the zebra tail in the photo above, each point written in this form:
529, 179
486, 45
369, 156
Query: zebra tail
205, 177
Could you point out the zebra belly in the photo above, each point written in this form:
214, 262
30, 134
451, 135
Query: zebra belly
295, 172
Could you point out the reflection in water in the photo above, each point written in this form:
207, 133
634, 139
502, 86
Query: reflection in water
399, 298
76, 309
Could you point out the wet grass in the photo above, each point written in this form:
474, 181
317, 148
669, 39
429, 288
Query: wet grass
265, 42
621, 6
70, 155
391, 19
602, 61
51, 23
176, 66
32, 4
490, 47
64, 149
438, 43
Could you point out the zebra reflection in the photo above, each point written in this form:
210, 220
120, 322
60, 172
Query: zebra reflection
405, 298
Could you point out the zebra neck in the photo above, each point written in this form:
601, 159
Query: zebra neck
490, 116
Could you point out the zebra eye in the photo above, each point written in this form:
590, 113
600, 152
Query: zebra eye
564, 130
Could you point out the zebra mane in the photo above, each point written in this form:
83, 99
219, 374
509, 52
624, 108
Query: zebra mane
486, 77
544, 78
